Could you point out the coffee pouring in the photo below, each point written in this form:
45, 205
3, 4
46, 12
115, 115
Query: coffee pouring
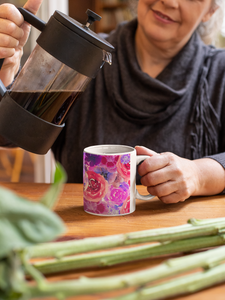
67, 56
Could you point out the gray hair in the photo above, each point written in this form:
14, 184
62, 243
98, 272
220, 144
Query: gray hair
209, 31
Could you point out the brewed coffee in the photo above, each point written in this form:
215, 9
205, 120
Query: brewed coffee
49, 106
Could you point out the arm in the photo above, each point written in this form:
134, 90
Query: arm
174, 179
14, 33
211, 175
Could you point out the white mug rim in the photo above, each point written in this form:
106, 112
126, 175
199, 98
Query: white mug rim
98, 149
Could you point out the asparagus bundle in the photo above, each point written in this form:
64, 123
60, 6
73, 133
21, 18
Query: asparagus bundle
198, 234
31, 224
211, 262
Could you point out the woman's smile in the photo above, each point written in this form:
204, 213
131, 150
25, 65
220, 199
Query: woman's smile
162, 18
170, 23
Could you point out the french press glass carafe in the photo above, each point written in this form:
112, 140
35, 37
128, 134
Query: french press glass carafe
67, 56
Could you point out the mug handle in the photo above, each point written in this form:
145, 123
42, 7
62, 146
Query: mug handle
140, 158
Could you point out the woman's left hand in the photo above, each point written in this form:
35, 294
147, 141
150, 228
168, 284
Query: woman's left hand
169, 177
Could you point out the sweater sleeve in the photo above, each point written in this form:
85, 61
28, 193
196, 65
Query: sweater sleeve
220, 158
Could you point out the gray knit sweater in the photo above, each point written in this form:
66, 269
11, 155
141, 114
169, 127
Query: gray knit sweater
181, 111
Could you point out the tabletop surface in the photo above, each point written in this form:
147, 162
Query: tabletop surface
148, 215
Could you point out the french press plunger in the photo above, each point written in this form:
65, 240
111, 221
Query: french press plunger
67, 56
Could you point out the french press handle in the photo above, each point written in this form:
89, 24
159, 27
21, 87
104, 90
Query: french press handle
31, 19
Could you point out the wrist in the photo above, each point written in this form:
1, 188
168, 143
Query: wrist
210, 177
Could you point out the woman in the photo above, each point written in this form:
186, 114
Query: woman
164, 91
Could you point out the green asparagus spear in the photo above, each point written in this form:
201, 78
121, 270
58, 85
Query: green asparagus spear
109, 258
195, 228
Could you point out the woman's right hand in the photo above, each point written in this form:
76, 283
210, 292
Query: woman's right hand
14, 33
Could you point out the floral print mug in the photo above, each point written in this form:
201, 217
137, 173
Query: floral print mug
109, 180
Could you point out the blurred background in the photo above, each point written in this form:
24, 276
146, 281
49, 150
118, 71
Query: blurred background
17, 165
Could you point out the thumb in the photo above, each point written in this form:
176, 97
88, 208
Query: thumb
33, 5
141, 150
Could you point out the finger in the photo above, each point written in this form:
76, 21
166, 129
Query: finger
10, 12
156, 177
8, 41
169, 192
152, 164
11, 29
33, 5
163, 190
6, 52
141, 150
173, 198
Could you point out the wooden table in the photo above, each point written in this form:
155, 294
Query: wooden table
148, 214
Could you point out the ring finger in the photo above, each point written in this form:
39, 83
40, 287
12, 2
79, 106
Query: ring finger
8, 41
163, 189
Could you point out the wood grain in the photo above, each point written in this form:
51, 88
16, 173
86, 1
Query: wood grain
148, 214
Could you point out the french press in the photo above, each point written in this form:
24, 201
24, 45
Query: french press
67, 56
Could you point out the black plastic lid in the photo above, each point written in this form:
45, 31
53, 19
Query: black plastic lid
70, 42
83, 31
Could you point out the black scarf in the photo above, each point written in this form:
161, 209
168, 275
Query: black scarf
168, 91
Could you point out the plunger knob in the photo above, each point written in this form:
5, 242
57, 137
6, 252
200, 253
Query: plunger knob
92, 17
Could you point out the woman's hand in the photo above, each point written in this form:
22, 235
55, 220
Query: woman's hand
173, 179
14, 33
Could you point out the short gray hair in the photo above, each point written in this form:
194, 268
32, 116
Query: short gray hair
209, 30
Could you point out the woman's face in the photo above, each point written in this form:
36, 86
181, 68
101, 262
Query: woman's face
172, 21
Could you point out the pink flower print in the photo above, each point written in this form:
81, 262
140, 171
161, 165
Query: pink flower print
101, 209
96, 187
109, 162
92, 159
125, 209
125, 186
118, 195
123, 166
117, 180
90, 206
